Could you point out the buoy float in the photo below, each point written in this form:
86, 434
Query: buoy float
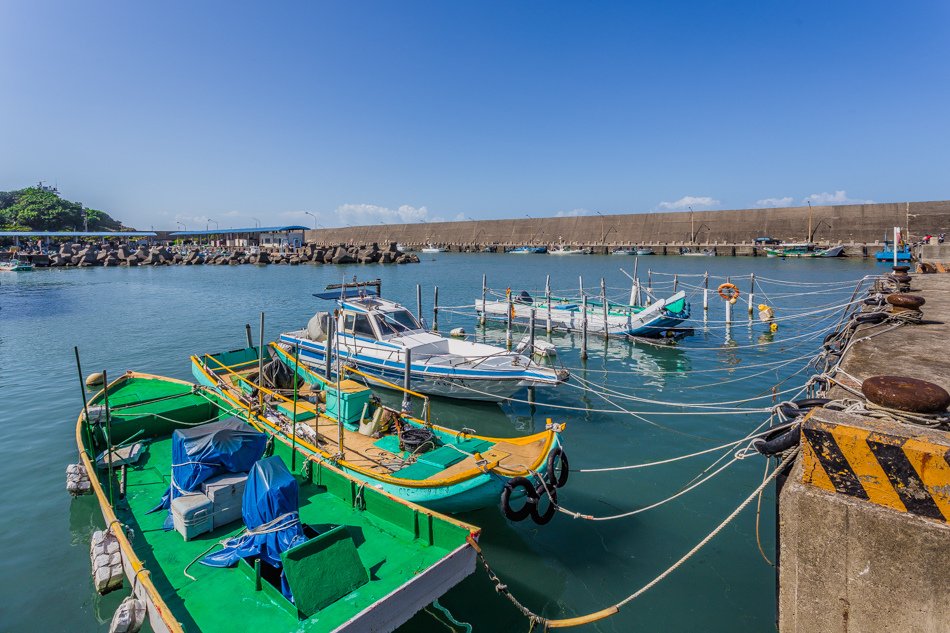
729, 292
94, 380
77, 481
766, 313
129, 617
458, 332
773, 327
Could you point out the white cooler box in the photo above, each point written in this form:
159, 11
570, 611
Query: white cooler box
226, 492
192, 514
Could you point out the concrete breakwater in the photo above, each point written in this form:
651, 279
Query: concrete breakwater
857, 224
86, 255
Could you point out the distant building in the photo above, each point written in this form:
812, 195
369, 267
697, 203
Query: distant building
262, 237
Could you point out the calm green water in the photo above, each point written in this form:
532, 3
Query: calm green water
153, 319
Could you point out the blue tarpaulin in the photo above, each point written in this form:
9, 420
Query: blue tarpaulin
202, 452
270, 510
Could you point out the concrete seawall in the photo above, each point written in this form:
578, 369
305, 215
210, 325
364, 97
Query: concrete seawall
864, 518
859, 223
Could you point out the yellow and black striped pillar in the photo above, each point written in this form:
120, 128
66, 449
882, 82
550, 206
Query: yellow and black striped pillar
892, 464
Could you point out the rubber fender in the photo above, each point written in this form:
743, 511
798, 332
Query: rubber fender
558, 457
531, 499
542, 491
826, 344
779, 442
870, 317
802, 405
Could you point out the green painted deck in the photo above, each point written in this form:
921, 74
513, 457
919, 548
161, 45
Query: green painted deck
394, 541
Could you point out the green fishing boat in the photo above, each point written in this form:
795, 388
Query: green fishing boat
340, 421
263, 538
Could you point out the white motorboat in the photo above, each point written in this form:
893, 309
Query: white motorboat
804, 249
569, 250
624, 251
430, 248
374, 335
645, 250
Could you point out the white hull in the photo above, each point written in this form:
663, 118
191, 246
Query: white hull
623, 322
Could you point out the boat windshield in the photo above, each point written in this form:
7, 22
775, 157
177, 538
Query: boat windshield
397, 322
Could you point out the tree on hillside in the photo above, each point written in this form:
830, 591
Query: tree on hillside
41, 209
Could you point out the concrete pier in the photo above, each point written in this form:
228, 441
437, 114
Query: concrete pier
864, 517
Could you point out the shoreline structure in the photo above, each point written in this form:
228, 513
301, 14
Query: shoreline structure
856, 225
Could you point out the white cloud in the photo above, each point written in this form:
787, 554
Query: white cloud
697, 202
838, 197
365, 214
774, 202
573, 213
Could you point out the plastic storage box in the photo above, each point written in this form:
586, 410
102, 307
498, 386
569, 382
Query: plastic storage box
349, 406
226, 493
192, 515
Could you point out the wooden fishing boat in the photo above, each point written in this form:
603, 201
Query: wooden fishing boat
440, 468
144, 435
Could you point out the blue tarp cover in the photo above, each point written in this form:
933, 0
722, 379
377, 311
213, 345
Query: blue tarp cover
270, 500
202, 452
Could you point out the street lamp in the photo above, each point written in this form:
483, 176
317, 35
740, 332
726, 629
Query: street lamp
314, 219
256, 222
183, 227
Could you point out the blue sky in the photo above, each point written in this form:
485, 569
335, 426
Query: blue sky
367, 112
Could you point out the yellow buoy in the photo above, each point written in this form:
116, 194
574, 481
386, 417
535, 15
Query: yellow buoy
773, 327
94, 379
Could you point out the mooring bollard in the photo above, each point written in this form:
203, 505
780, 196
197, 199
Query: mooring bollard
584, 329
435, 310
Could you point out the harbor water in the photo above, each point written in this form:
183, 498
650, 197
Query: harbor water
620, 407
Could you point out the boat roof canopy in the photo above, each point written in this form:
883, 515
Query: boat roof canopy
345, 293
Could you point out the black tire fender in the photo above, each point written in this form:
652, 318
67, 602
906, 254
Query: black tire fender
550, 492
531, 499
870, 317
800, 406
558, 457
780, 441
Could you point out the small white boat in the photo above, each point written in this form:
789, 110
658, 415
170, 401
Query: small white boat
804, 249
624, 251
430, 248
15, 266
706, 252
375, 335
568, 314
569, 250
645, 250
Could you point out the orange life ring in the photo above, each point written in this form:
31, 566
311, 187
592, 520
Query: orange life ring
732, 294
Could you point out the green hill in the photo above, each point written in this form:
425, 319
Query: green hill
40, 208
